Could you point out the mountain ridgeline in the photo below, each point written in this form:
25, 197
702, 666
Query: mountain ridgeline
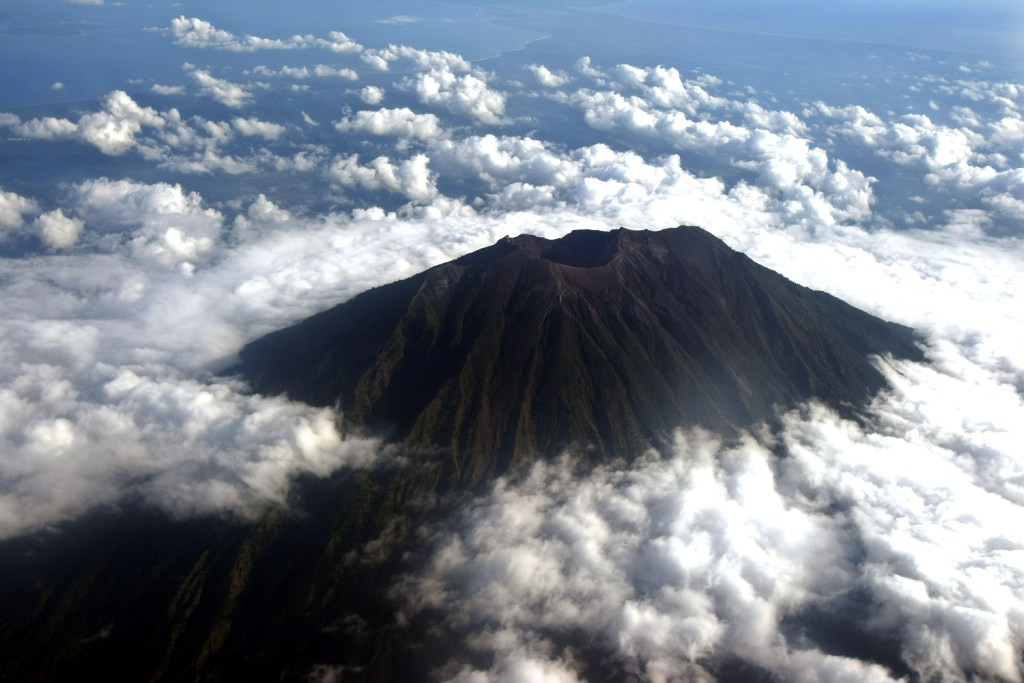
606, 341
602, 341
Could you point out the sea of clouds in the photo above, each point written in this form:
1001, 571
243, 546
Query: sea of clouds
127, 297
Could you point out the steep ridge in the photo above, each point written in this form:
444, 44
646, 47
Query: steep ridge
606, 341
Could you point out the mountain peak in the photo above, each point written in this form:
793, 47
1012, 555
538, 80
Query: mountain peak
578, 249
602, 341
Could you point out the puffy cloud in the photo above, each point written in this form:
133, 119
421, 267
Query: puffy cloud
547, 77
303, 72
209, 160
324, 71
402, 122
109, 394
160, 222
664, 87
531, 175
378, 59
431, 59
660, 87
253, 126
205, 134
630, 75
227, 93
668, 564
1005, 204
113, 129
371, 94
197, 33
815, 190
503, 161
99, 398
411, 178
118, 203
93, 409
915, 139
57, 230
585, 66
299, 73
196, 146
970, 223
74, 436
340, 43
12, 209
466, 94
973, 161
1008, 130
860, 123
1003, 94
265, 211
306, 160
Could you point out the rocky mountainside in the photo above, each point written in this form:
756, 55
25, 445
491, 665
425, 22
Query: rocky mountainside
606, 341
603, 340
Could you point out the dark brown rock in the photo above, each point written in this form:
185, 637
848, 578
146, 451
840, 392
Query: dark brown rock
606, 341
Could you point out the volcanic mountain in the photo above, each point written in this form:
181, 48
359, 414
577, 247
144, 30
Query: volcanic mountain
606, 341
603, 340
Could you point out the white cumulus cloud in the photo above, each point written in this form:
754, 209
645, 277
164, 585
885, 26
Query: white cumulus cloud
372, 94
467, 93
227, 93
113, 129
254, 127
13, 208
547, 77
411, 177
57, 230
197, 33
160, 223
400, 122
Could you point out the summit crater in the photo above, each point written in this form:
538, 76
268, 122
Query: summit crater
602, 341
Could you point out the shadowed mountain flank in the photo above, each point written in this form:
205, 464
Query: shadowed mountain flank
603, 340
606, 341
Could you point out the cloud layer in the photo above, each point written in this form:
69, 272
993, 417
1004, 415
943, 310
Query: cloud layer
821, 551
680, 563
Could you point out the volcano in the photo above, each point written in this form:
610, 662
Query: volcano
601, 341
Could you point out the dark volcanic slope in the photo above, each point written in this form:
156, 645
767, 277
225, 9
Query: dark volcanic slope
602, 340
